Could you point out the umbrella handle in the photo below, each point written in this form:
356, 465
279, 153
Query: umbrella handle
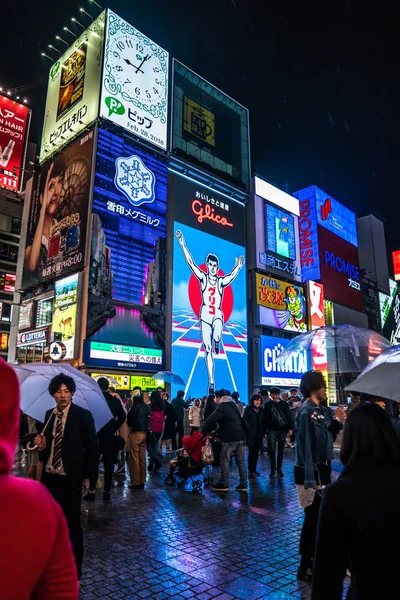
28, 446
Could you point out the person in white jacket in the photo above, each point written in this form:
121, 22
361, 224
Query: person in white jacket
195, 417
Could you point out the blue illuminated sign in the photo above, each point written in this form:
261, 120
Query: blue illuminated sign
309, 250
130, 197
335, 217
280, 232
341, 266
273, 373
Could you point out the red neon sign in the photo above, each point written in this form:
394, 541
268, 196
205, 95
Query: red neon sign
208, 213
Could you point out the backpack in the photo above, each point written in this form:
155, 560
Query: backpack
279, 421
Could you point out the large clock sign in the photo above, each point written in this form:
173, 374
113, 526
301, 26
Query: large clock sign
134, 91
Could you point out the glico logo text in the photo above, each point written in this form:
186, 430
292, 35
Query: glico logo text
208, 213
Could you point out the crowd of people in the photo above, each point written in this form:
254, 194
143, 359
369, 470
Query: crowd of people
346, 523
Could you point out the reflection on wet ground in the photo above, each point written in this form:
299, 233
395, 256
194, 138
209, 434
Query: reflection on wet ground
172, 543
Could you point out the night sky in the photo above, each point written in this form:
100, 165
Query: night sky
321, 81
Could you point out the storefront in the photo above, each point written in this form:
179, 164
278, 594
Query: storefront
31, 345
124, 383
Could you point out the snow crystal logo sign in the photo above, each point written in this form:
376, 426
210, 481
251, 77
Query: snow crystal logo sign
134, 180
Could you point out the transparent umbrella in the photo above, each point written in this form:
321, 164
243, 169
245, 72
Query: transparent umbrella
381, 377
348, 349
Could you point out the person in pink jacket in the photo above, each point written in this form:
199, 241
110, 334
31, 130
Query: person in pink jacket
157, 416
37, 562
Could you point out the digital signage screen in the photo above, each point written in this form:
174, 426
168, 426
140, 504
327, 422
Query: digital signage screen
64, 318
130, 199
209, 305
396, 264
14, 126
280, 304
280, 232
386, 302
57, 223
209, 128
335, 217
309, 249
274, 373
340, 271
73, 90
121, 356
134, 92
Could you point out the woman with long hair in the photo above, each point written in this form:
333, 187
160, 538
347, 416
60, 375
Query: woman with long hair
157, 412
359, 523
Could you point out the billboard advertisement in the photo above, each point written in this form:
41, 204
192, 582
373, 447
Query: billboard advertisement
386, 302
396, 264
64, 318
315, 298
134, 91
280, 304
309, 250
14, 127
340, 271
130, 199
57, 223
120, 356
209, 305
276, 196
273, 373
280, 232
73, 90
209, 128
335, 217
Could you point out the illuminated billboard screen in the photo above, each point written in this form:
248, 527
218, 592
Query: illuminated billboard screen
209, 305
396, 264
340, 271
73, 90
273, 373
134, 93
280, 232
309, 250
209, 128
280, 304
386, 302
335, 217
120, 356
57, 223
315, 297
130, 199
14, 125
64, 318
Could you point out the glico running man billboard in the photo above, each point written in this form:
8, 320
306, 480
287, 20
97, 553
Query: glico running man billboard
209, 314
57, 223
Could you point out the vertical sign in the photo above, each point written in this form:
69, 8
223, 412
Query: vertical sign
64, 318
14, 121
209, 305
396, 264
316, 315
134, 91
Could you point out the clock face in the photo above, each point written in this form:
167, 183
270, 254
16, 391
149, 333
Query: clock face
135, 82
137, 70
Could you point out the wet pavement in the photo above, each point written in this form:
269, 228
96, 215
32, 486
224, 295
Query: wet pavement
173, 543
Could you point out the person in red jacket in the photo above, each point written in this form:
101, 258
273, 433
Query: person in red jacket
192, 447
37, 562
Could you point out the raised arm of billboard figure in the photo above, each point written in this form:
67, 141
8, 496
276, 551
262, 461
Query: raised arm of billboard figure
227, 279
188, 257
32, 253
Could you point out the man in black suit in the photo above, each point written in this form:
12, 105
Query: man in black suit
69, 450
108, 442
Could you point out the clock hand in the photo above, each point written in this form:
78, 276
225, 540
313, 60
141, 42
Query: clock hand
143, 61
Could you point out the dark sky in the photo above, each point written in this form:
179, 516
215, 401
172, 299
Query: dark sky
321, 81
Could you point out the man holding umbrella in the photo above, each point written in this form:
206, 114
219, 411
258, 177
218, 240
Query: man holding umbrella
69, 451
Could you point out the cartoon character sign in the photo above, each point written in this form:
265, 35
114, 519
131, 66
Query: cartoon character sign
295, 303
212, 285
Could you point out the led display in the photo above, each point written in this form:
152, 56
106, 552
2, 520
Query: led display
272, 372
14, 127
209, 314
280, 232
280, 304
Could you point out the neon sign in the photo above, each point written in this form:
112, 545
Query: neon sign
208, 213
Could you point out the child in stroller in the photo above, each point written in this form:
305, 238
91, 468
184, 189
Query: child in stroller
188, 462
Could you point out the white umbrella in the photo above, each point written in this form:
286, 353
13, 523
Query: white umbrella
381, 377
34, 379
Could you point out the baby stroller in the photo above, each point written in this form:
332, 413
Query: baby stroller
189, 463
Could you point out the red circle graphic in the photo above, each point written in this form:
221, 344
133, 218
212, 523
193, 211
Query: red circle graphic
196, 299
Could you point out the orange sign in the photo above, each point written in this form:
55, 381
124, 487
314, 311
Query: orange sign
396, 264
315, 296
207, 212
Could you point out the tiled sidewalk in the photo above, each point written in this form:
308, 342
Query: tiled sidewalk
171, 543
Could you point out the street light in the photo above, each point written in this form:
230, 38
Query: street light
93, 2
82, 10
53, 48
75, 21
47, 56
59, 39
69, 31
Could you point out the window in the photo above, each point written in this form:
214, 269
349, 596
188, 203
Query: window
44, 312
16, 226
5, 312
8, 252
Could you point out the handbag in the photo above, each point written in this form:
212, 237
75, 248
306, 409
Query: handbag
207, 455
119, 442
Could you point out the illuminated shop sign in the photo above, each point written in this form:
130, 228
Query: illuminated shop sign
341, 266
275, 373
309, 252
35, 336
281, 304
14, 125
315, 296
124, 357
396, 264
